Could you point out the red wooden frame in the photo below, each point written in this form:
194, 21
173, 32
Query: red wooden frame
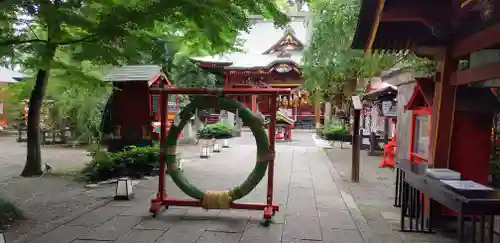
163, 200
477, 74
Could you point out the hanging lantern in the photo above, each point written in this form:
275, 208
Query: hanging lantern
124, 189
215, 146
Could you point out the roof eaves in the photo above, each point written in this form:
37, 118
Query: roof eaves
364, 25
132, 73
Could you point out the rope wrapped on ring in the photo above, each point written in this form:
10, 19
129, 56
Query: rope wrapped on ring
216, 200
224, 199
170, 150
173, 167
266, 157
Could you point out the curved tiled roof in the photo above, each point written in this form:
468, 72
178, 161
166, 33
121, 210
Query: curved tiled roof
255, 43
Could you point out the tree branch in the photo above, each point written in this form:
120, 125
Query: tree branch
83, 39
19, 42
68, 42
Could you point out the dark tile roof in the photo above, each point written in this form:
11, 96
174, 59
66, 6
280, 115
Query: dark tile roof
388, 92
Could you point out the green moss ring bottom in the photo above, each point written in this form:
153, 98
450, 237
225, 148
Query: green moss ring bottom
249, 118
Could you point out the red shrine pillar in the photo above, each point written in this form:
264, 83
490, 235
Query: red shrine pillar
253, 106
443, 112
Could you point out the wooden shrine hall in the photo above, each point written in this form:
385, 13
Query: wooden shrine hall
445, 173
270, 57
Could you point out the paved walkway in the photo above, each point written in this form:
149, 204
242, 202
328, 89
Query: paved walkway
374, 195
13, 157
313, 208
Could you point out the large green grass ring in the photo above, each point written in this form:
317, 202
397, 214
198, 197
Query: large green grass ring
249, 118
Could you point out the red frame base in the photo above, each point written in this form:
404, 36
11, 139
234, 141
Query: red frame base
157, 204
162, 199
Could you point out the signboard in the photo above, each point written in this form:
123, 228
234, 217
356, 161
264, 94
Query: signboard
466, 185
172, 104
388, 108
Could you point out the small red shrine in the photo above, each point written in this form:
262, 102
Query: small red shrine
269, 57
132, 112
474, 111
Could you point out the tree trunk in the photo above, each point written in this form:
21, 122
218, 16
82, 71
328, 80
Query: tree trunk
33, 165
328, 113
317, 113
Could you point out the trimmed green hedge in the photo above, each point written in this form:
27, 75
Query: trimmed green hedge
336, 132
135, 162
217, 131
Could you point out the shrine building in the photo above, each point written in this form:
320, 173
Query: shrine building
269, 57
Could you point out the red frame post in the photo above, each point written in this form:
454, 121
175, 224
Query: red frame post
157, 202
269, 211
162, 198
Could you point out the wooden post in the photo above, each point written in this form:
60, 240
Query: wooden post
443, 110
373, 143
254, 107
386, 129
356, 138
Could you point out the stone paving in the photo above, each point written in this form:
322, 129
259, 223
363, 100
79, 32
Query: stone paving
312, 207
13, 157
46, 201
374, 195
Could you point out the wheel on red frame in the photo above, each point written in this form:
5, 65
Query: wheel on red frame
266, 222
263, 154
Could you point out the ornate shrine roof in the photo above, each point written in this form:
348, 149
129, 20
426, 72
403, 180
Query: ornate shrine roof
283, 118
264, 46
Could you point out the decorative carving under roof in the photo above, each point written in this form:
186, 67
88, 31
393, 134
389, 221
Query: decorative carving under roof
288, 42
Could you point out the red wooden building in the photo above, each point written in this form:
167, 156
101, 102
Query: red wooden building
131, 110
449, 31
452, 112
269, 57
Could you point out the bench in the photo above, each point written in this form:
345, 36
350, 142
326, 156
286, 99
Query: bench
416, 192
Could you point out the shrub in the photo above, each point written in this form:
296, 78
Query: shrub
135, 162
8, 213
335, 132
217, 131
